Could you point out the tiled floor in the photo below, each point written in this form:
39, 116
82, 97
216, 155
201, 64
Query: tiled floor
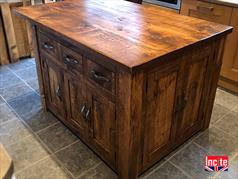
43, 148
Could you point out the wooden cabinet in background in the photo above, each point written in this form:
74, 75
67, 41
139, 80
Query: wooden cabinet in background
224, 15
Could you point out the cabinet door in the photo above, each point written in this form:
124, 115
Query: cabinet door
53, 83
207, 11
230, 62
75, 103
161, 99
190, 118
101, 117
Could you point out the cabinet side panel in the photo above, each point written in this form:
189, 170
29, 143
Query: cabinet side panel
38, 64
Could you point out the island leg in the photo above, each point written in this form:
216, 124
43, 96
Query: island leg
129, 124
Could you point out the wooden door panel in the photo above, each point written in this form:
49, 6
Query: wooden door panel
102, 125
75, 102
159, 118
191, 120
207, 11
53, 82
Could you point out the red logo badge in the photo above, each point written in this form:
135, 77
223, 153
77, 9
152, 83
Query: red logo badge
216, 163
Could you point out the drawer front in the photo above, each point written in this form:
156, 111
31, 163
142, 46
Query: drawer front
101, 76
207, 11
47, 45
72, 60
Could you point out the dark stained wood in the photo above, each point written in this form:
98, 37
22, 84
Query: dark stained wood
101, 116
54, 89
134, 34
130, 118
75, 102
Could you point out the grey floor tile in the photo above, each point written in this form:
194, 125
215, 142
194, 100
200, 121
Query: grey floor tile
27, 105
26, 152
40, 120
77, 158
28, 74
6, 113
57, 137
1, 100
45, 169
153, 168
34, 84
191, 160
229, 124
101, 171
13, 92
226, 99
13, 131
4, 70
218, 112
9, 80
232, 172
167, 171
216, 142
22, 64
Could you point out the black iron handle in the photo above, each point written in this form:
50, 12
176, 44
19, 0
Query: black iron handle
70, 60
58, 92
99, 77
48, 46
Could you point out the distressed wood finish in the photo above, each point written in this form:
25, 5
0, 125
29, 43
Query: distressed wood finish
132, 87
138, 32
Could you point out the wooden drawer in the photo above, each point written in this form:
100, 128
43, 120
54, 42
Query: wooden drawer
207, 11
101, 76
47, 45
72, 60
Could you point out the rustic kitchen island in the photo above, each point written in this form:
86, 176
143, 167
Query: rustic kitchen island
133, 82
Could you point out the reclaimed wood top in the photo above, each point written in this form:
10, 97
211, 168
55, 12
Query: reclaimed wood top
129, 33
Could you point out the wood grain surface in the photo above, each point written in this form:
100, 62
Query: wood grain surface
128, 33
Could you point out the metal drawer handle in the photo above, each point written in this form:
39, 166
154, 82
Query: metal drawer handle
70, 60
87, 114
48, 46
83, 109
58, 92
99, 77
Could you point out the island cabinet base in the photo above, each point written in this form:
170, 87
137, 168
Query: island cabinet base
131, 119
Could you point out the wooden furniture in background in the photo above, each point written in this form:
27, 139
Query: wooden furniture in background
6, 164
131, 92
222, 14
15, 35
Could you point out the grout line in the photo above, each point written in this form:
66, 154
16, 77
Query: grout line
185, 146
88, 170
184, 172
32, 164
78, 140
51, 125
153, 170
223, 131
62, 166
222, 117
48, 150
25, 82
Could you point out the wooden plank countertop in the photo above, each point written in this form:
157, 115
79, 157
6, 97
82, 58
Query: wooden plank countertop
128, 33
